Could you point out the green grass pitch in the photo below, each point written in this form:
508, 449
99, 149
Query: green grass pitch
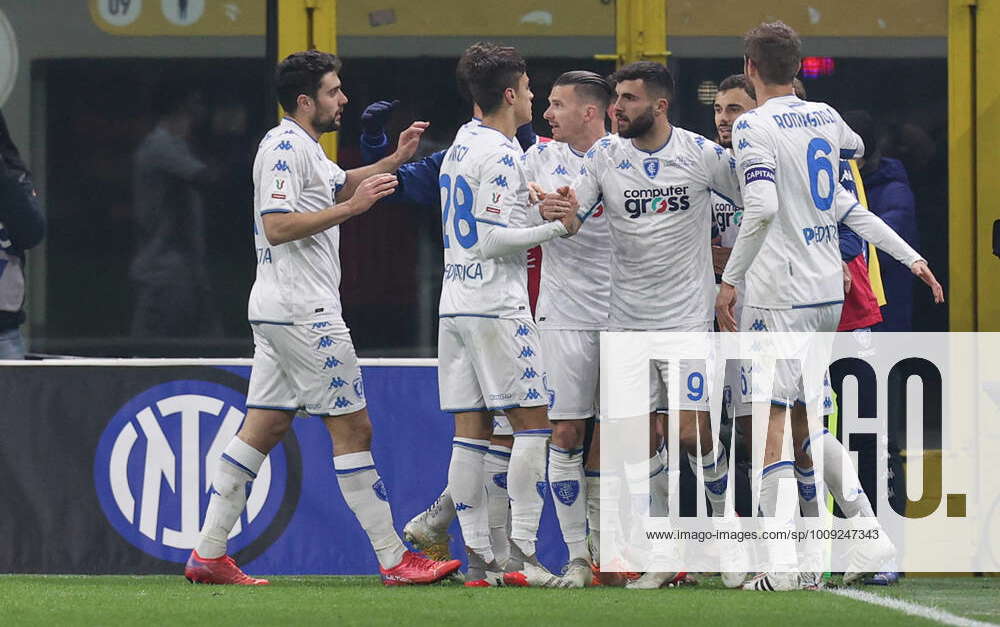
165, 600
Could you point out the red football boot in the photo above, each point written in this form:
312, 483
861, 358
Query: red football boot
417, 569
221, 570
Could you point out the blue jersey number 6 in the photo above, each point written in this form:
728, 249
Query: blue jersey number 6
818, 164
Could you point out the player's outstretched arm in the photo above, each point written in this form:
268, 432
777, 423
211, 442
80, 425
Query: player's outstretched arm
408, 142
281, 228
497, 241
875, 230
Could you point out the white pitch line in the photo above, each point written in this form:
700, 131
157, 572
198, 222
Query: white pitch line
913, 609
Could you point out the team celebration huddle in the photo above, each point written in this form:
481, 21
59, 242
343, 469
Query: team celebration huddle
628, 221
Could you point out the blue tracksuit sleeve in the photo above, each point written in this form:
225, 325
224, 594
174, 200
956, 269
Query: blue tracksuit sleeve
851, 243
373, 148
418, 181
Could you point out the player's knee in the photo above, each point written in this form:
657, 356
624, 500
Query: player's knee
567, 434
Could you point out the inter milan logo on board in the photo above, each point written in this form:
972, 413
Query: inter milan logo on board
651, 167
156, 459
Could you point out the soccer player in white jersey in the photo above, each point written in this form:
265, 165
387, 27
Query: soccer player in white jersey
656, 182
734, 98
572, 308
787, 152
303, 355
488, 347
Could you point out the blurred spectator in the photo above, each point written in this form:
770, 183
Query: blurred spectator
889, 197
22, 227
168, 270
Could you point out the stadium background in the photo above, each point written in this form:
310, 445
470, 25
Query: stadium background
80, 83
83, 96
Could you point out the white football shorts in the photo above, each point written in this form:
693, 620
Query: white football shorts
573, 370
489, 364
788, 388
310, 367
693, 379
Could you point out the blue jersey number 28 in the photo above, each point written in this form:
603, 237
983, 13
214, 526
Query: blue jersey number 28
458, 197
819, 163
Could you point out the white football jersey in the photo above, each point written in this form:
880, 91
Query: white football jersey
659, 209
797, 145
482, 181
296, 281
576, 278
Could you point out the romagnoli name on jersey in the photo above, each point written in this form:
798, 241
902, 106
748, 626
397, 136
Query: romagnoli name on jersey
642, 201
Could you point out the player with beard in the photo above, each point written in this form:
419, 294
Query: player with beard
655, 182
304, 358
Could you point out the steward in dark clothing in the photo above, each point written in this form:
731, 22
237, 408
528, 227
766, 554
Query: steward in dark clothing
22, 227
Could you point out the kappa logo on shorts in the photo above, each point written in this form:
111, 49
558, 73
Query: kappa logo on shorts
342, 402
320, 325
336, 382
461, 507
527, 352
156, 459
325, 342
529, 373
522, 330
758, 325
532, 395
332, 362
566, 491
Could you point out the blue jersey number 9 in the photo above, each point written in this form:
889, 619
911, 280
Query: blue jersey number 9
460, 197
818, 164
696, 386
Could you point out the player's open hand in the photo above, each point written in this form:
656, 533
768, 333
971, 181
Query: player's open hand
371, 190
725, 304
409, 140
555, 207
848, 281
923, 271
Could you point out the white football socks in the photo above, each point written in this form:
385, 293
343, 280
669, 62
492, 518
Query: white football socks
239, 465
716, 473
569, 496
810, 491
659, 486
526, 485
777, 504
496, 465
839, 475
367, 497
466, 474
593, 481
